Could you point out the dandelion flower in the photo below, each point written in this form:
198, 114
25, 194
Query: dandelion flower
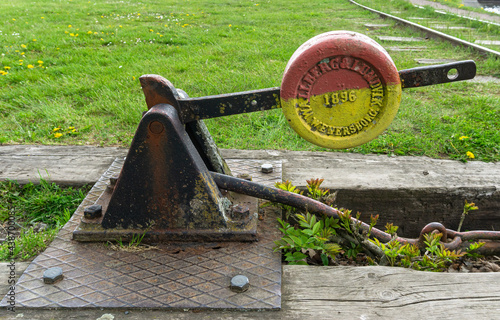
57, 135
120, 26
30, 66
89, 32
34, 40
71, 128
23, 46
69, 26
3, 73
56, 129
463, 137
470, 155
6, 67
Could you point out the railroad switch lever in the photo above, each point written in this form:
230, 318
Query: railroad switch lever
340, 89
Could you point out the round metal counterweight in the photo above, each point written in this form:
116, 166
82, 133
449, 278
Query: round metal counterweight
340, 89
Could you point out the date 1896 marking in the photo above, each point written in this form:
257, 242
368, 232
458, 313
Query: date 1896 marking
334, 98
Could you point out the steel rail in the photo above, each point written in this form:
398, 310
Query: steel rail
433, 33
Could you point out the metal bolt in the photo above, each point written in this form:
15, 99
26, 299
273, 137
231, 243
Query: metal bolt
239, 283
240, 212
266, 168
93, 211
244, 176
156, 127
52, 275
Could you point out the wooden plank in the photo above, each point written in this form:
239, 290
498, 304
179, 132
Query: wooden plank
389, 293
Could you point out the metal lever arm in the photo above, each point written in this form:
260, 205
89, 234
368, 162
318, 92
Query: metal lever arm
193, 109
443, 73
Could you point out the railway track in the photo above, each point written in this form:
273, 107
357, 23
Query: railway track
432, 33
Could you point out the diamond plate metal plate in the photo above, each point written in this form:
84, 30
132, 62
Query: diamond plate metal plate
175, 276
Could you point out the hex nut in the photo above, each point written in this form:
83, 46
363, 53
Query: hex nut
266, 168
53, 275
240, 212
92, 212
239, 283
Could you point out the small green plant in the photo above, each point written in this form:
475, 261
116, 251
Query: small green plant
310, 240
471, 250
286, 209
435, 258
314, 190
391, 229
467, 207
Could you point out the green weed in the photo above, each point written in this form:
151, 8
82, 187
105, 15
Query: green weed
45, 207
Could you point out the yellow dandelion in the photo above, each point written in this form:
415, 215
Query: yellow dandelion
3, 73
71, 128
56, 129
463, 137
89, 32
95, 32
150, 30
6, 67
72, 34
69, 26
133, 78
470, 155
22, 53
13, 19
230, 25
66, 31
120, 26
23, 46
34, 40
74, 130
57, 135
30, 66
42, 17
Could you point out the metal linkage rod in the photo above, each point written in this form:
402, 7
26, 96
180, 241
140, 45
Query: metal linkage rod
459, 241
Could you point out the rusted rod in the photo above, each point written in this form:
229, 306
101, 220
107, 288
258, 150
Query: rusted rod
310, 205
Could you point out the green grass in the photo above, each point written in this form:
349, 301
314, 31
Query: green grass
86, 89
30, 205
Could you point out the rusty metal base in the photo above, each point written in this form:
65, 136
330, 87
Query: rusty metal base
245, 230
169, 276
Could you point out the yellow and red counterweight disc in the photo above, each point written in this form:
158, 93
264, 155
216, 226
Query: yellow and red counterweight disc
340, 89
